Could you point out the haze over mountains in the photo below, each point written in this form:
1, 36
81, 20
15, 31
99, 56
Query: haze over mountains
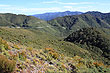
49, 16
62, 42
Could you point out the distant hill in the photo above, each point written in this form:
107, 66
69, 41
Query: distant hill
49, 16
14, 20
76, 22
103, 16
23, 21
61, 26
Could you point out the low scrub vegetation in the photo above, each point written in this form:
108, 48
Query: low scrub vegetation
6, 65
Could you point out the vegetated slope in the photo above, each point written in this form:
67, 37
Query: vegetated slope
94, 40
23, 21
29, 37
49, 16
76, 22
103, 16
9, 19
23, 59
37, 39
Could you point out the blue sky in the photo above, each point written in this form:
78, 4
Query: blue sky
29, 7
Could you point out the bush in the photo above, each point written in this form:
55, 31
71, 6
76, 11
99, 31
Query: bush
16, 46
30, 48
22, 56
6, 65
6, 46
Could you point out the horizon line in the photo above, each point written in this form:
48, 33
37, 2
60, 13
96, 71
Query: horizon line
50, 12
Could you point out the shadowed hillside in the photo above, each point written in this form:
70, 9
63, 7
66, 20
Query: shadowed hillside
93, 40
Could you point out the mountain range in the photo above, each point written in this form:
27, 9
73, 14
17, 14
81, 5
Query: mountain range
72, 42
49, 16
76, 22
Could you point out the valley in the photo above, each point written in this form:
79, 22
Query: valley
69, 44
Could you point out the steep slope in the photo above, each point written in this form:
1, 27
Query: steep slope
28, 60
103, 16
23, 21
76, 22
93, 40
49, 16
19, 58
38, 39
18, 20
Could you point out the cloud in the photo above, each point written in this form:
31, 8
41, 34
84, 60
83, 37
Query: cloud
65, 6
82, 8
71, 7
23, 10
102, 3
58, 2
1, 5
29, 11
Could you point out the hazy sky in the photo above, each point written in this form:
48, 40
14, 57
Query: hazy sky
42, 6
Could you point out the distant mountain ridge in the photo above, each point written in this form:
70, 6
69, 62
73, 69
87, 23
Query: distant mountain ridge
76, 22
103, 16
49, 16
22, 21
61, 26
